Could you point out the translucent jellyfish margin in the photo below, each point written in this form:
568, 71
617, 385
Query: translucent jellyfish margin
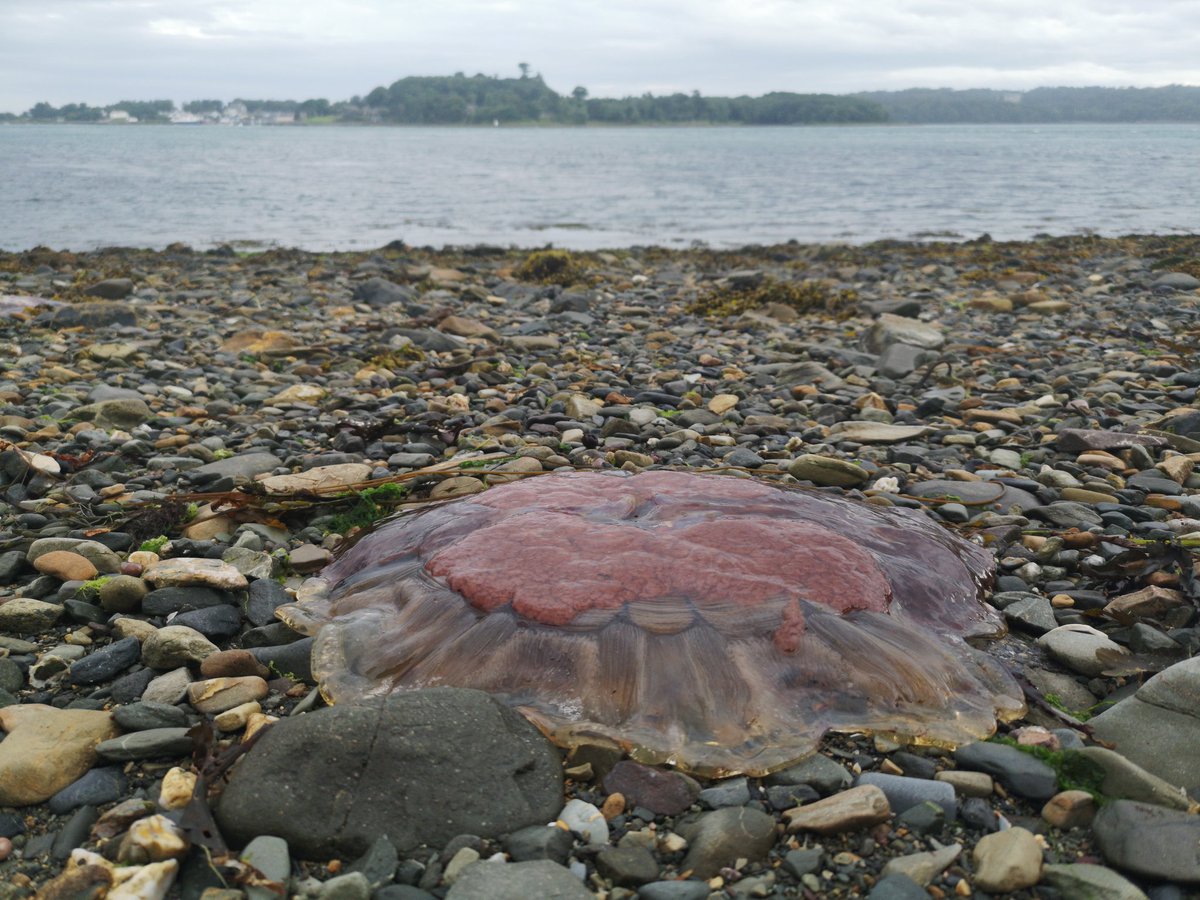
718, 624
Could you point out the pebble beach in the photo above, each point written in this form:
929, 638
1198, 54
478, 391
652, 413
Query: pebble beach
186, 436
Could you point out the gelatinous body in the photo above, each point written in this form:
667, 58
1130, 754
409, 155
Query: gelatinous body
716, 623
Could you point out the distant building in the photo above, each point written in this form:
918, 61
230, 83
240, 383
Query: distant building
120, 116
1012, 98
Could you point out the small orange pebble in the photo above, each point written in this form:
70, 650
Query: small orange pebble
613, 806
335, 866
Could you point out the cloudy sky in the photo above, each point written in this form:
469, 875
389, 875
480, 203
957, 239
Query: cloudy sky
102, 51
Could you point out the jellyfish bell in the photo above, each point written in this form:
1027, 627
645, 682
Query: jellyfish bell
719, 624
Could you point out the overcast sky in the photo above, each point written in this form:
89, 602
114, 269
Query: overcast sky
102, 51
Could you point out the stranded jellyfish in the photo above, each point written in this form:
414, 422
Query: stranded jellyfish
715, 623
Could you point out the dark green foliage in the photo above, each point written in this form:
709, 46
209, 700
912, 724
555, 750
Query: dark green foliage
1175, 103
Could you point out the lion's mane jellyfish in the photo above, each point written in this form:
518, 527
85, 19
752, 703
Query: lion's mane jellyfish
715, 623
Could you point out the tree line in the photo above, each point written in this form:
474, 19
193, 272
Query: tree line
460, 99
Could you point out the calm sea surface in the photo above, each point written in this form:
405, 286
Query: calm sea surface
81, 187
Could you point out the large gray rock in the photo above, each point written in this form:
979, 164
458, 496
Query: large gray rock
1083, 881
420, 767
1159, 843
889, 329
1159, 727
718, 839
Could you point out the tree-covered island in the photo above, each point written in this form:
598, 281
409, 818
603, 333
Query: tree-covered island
487, 100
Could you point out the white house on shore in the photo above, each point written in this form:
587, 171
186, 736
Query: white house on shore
120, 117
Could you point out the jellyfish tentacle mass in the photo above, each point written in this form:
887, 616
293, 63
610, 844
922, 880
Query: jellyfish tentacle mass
718, 624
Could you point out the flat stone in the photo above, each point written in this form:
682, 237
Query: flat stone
299, 393
23, 615
46, 749
891, 329
967, 783
242, 468
876, 432
215, 695
122, 593
1007, 861
170, 687
517, 881
123, 413
1082, 648
168, 600
212, 573
539, 842
902, 792
104, 559
1084, 881
817, 771
110, 288
317, 479
1023, 774
1070, 809
270, 855
1151, 601
107, 662
176, 645
264, 597
662, 791
66, 566
856, 807
627, 866
827, 470
1157, 843
96, 787
1079, 440
420, 767
922, 868
153, 743
146, 715
718, 839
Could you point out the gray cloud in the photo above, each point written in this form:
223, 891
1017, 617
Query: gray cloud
101, 51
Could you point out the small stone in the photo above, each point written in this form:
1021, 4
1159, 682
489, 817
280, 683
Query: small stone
662, 791
95, 788
236, 718
585, 820
818, 771
317, 479
922, 868
122, 593
169, 688
106, 663
153, 743
903, 793
46, 749
216, 695
231, 664
270, 856
518, 881
1023, 774
856, 807
1070, 809
352, 886
1007, 861
719, 839
176, 645
213, 573
307, 559
539, 842
627, 866
178, 785
152, 839
1084, 881
967, 784
66, 566
827, 470
23, 615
